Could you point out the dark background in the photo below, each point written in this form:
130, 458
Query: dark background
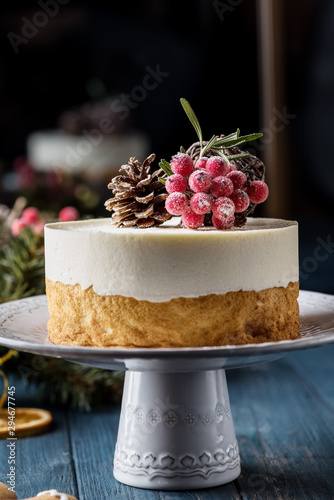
210, 52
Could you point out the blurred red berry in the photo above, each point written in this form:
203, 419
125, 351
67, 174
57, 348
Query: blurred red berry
67, 214
17, 226
30, 215
38, 227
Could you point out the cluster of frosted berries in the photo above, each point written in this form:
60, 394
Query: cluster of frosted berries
212, 185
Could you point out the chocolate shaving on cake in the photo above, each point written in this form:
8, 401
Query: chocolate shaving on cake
251, 166
139, 196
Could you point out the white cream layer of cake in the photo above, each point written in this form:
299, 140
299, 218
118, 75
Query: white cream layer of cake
166, 262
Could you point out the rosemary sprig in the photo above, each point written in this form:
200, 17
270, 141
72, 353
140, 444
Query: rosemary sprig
217, 144
193, 119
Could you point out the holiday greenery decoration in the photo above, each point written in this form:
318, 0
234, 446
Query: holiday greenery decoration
22, 275
213, 182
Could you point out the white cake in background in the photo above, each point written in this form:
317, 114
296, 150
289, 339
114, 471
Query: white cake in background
92, 155
92, 140
169, 287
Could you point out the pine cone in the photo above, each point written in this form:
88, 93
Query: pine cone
139, 197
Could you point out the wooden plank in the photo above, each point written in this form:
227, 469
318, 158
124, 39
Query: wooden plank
285, 433
283, 414
316, 366
44, 461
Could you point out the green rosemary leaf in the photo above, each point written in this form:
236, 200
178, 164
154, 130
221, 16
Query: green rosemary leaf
193, 119
229, 141
165, 167
226, 138
163, 181
182, 150
220, 153
210, 145
241, 140
250, 137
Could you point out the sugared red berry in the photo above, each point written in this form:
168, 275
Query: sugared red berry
240, 199
201, 203
223, 222
176, 183
223, 207
68, 214
30, 215
201, 162
192, 220
200, 181
17, 226
216, 166
221, 186
182, 164
258, 191
238, 178
176, 203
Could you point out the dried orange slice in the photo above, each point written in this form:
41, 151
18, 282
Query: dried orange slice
23, 422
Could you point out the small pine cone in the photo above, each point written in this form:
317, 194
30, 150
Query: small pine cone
139, 196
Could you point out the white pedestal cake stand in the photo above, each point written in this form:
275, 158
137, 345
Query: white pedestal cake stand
176, 429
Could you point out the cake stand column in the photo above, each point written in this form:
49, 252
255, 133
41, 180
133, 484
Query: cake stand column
176, 431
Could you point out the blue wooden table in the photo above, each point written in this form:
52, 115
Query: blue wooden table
284, 420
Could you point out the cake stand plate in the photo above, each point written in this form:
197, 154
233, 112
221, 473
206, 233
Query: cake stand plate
176, 429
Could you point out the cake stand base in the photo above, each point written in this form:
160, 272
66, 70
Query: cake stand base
176, 431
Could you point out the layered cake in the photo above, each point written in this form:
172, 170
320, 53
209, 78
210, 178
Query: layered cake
169, 287
180, 263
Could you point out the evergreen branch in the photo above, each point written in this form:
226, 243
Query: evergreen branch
22, 274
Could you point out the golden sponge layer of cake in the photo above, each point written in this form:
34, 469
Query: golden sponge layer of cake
82, 317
